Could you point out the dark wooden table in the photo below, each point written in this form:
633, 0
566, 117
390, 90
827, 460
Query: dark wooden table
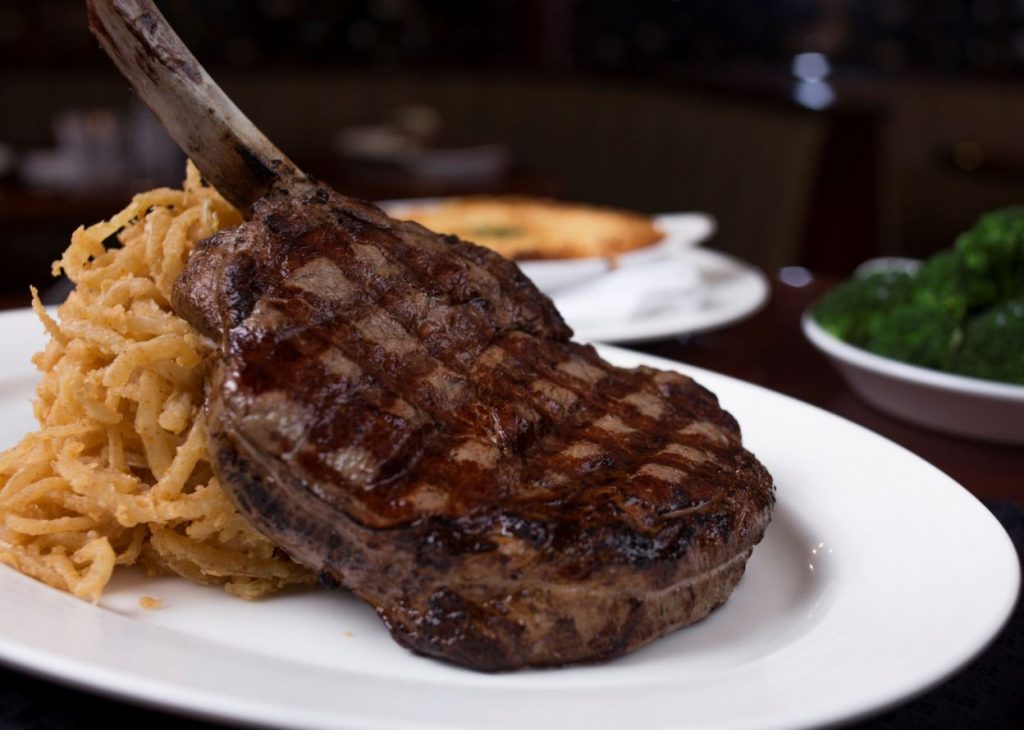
770, 350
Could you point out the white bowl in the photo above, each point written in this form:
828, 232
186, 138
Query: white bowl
956, 404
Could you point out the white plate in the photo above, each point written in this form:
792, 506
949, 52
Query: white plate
877, 578
956, 404
682, 231
730, 290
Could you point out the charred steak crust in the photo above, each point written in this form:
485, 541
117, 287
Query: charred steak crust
404, 412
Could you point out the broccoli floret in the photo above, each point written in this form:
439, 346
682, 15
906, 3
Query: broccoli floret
855, 310
993, 344
992, 257
918, 334
940, 284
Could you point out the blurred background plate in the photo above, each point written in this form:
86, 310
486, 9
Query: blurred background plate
956, 404
682, 231
729, 290
633, 297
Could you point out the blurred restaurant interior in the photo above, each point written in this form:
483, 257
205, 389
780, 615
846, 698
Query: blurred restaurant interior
818, 133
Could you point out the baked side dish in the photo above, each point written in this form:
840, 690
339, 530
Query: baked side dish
117, 472
521, 228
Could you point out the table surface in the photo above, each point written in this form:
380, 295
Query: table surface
768, 349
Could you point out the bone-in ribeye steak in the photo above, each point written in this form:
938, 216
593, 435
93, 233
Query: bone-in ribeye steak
404, 413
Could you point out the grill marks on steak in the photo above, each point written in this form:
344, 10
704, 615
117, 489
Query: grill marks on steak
405, 413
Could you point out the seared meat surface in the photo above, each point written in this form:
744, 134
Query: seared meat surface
404, 412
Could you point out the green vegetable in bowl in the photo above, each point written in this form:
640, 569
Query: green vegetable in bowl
993, 344
919, 334
942, 284
962, 311
992, 255
856, 310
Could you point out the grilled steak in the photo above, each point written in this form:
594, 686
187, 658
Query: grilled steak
404, 412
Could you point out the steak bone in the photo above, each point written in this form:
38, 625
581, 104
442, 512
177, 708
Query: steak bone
231, 153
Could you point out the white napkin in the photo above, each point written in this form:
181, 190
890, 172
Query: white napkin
633, 291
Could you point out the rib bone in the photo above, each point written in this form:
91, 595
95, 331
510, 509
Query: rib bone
230, 152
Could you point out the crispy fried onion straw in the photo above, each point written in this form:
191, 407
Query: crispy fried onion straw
117, 472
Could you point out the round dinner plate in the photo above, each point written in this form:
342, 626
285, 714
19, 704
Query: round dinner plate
729, 290
682, 230
877, 578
